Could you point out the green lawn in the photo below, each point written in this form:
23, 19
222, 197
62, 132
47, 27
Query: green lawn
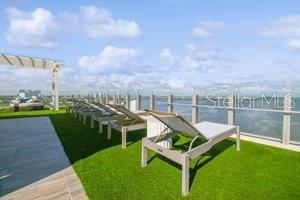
109, 172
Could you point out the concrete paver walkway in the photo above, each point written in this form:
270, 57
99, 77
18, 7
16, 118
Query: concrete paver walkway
33, 164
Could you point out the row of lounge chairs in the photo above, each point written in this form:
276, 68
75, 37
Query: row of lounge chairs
115, 116
119, 118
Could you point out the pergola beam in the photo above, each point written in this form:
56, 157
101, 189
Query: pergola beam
44, 63
7, 60
32, 61
20, 61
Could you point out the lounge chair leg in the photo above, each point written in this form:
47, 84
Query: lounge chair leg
144, 155
108, 133
238, 139
101, 127
92, 122
84, 119
124, 137
185, 175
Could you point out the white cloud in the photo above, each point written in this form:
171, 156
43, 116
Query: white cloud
294, 44
177, 83
97, 22
201, 33
110, 59
32, 29
206, 29
167, 56
196, 59
286, 27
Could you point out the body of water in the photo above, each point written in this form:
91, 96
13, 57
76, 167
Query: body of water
255, 122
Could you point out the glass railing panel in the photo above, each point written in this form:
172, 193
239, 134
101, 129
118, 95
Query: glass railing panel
183, 106
145, 102
161, 103
267, 124
218, 115
295, 126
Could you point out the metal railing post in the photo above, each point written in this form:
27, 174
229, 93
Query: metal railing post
138, 101
170, 103
95, 98
128, 101
115, 99
152, 102
231, 109
101, 98
107, 98
195, 110
286, 128
119, 99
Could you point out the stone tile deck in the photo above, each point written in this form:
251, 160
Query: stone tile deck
33, 164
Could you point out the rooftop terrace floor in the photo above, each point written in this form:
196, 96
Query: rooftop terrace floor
107, 171
33, 163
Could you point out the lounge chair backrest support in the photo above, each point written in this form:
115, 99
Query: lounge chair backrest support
126, 112
176, 123
103, 107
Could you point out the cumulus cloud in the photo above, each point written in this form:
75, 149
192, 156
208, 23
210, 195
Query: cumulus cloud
39, 28
14, 78
196, 59
177, 83
167, 56
287, 28
110, 59
32, 29
206, 29
97, 22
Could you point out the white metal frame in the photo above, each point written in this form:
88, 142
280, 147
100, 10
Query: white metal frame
184, 158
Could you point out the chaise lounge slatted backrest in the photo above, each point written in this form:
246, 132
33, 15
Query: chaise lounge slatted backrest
106, 109
177, 123
126, 112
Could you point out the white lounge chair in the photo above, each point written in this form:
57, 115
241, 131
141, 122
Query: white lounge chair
108, 114
82, 109
129, 122
210, 132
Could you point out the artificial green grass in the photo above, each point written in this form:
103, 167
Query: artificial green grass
6, 114
109, 172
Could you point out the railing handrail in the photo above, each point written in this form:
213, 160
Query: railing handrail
236, 108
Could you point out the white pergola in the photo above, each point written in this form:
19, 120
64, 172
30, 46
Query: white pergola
37, 63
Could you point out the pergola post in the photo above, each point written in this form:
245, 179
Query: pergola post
55, 98
37, 63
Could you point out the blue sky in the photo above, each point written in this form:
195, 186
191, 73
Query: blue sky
155, 44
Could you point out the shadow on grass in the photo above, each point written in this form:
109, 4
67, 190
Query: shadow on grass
80, 141
200, 161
